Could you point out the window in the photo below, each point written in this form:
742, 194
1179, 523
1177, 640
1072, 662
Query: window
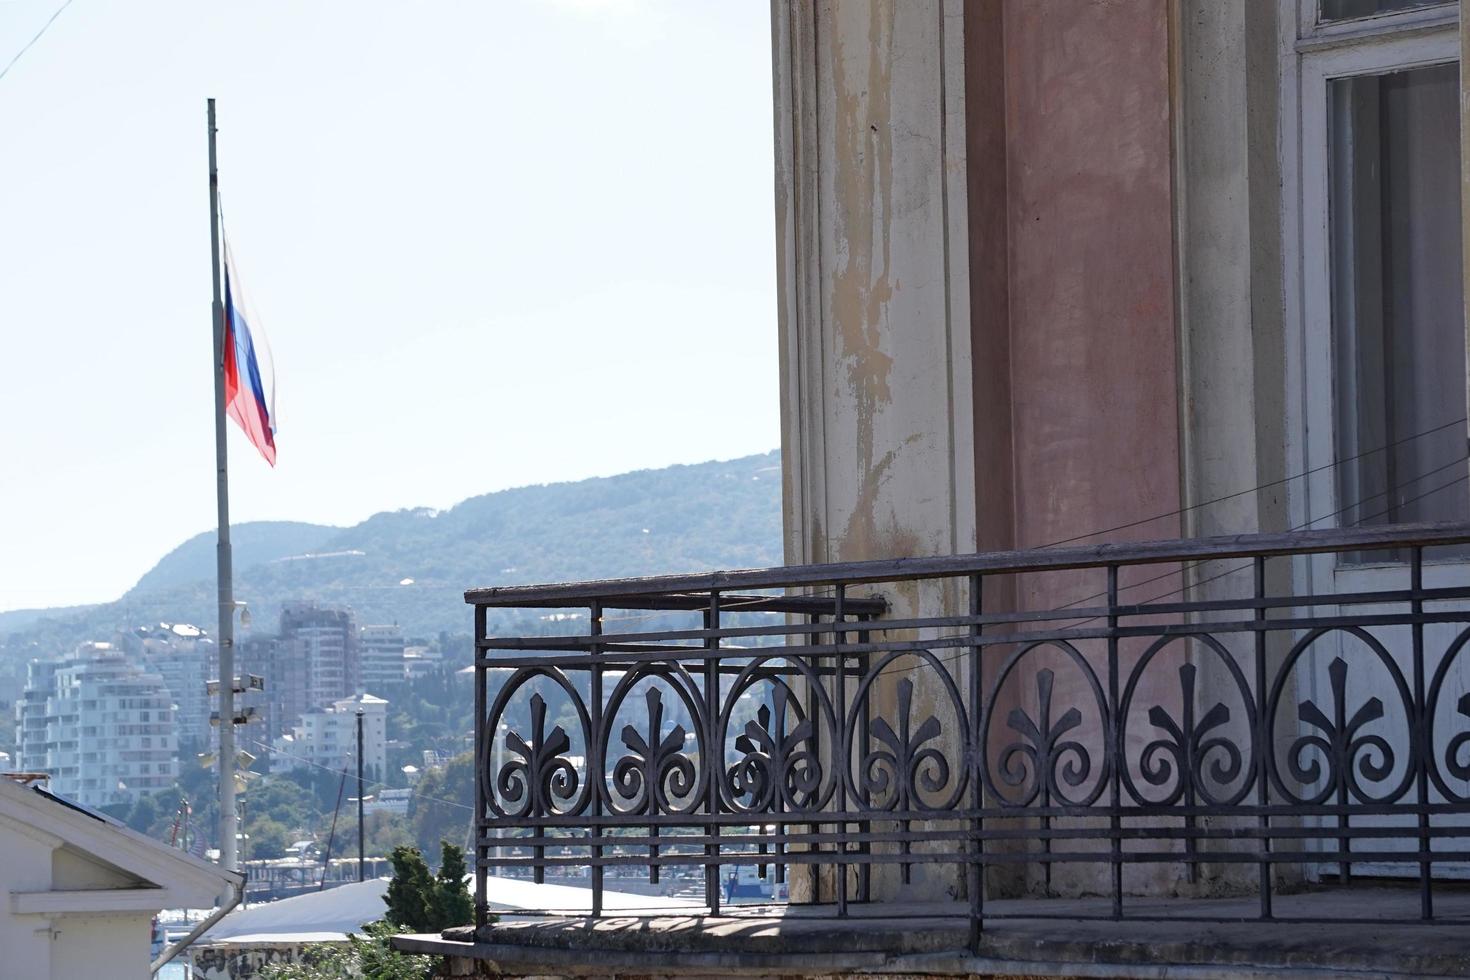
1398, 334
1371, 116
1352, 9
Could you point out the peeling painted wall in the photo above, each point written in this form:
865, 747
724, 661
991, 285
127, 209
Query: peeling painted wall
873, 272
875, 320
987, 339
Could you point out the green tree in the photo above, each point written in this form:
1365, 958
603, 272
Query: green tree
409, 891
450, 903
421, 902
267, 838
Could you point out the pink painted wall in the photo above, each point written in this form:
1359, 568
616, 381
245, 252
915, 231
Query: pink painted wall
1073, 312
1094, 377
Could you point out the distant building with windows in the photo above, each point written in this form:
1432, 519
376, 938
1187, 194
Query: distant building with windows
327, 738
103, 727
381, 656
186, 658
421, 661
283, 701
323, 640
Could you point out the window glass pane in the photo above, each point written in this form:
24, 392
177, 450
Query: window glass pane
1398, 327
1350, 9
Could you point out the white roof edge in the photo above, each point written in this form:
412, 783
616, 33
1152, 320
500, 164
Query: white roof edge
188, 880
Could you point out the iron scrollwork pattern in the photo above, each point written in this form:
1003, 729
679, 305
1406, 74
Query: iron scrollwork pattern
1277, 729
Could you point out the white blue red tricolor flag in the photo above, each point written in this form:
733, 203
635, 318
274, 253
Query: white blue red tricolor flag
250, 372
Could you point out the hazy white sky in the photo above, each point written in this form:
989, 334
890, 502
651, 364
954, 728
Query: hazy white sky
493, 244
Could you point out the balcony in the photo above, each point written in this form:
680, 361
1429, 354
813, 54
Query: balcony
1194, 735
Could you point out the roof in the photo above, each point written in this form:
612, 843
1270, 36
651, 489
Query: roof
328, 916
181, 879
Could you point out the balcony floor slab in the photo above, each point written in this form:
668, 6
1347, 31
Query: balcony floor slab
1350, 936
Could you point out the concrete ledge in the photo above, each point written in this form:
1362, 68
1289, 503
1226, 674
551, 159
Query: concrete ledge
928, 940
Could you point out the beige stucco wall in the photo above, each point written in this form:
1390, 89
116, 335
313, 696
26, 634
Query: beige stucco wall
874, 317
1033, 306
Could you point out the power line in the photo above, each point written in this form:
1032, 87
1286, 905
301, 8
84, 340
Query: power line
369, 782
44, 28
1074, 624
1335, 462
1263, 486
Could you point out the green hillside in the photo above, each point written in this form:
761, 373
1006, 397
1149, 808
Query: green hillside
412, 566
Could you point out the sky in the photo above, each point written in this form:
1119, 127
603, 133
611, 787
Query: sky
492, 244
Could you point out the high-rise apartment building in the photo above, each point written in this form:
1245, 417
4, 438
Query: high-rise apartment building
324, 641
284, 699
380, 651
102, 726
186, 658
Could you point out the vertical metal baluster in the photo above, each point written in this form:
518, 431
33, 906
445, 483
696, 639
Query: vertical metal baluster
1421, 734
839, 701
1262, 736
865, 870
595, 755
713, 764
811, 713
1115, 739
778, 803
975, 873
484, 752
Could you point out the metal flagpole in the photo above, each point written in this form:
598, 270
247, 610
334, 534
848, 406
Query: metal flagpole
361, 831
227, 817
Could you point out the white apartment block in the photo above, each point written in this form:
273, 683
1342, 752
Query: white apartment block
186, 658
382, 663
100, 725
328, 738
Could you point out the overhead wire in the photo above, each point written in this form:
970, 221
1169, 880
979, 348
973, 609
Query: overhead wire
337, 771
1335, 462
31, 43
1462, 459
1075, 624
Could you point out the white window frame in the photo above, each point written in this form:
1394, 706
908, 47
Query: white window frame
1311, 55
1311, 32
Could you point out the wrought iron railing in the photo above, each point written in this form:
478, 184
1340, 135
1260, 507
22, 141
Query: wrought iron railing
1192, 710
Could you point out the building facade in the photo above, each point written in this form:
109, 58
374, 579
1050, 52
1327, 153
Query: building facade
327, 738
381, 654
100, 725
324, 641
81, 891
186, 658
1056, 273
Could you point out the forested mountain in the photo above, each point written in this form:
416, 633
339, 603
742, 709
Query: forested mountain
412, 566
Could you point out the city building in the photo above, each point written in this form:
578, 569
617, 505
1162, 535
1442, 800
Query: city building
282, 703
327, 738
1123, 399
421, 661
324, 641
187, 660
30, 715
79, 891
102, 726
381, 654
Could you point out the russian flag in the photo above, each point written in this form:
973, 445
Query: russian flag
250, 372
